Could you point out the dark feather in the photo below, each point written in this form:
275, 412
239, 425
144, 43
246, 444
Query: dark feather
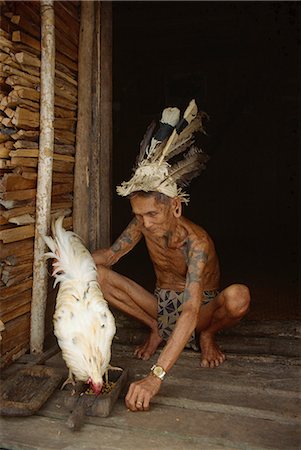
146, 141
188, 168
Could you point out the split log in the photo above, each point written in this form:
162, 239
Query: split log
26, 134
64, 137
62, 177
16, 212
26, 25
16, 332
23, 118
26, 172
17, 233
28, 93
18, 80
7, 122
28, 59
16, 249
15, 182
6, 45
60, 203
15, 260
11, 291
12, 275
32, 94
8, 70
64, 188
20, 36
7, 144
34, 153
22, 194
13, 100
25, 219
25, 144
15, 306
64, 149
14, 354
4, 152
3, 221
9, 204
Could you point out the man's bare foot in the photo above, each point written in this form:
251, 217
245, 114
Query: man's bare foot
146, 350
211, 353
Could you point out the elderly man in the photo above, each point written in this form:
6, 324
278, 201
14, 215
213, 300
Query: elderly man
187, 308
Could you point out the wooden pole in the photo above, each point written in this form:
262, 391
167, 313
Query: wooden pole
43, 198
101, 145
84, 123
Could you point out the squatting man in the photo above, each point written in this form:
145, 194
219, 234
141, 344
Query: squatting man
187, 308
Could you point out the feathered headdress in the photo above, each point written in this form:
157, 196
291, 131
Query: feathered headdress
154, 169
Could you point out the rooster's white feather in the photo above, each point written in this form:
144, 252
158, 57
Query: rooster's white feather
83, 323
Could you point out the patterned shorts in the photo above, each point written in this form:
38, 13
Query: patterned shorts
170, 305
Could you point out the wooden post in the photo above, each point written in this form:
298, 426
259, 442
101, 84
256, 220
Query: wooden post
43, 198
105, 203
101, 145
84, 123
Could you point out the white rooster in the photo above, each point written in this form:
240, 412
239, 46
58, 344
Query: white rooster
83, 323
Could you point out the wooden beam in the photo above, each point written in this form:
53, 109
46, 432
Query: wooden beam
100, 191
43, 200
84, 121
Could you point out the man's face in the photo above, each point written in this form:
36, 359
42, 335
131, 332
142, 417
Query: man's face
156, 217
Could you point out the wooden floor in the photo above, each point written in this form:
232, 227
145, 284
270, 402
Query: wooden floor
251, 402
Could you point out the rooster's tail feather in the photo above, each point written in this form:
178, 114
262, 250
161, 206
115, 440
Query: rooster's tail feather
73, 260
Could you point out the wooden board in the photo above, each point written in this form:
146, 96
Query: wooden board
251, 402
25, 392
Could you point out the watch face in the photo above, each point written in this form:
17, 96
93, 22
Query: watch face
159, 371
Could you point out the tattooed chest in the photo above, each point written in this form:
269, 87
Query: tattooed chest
169, 260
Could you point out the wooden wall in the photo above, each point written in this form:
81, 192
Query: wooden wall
19, 151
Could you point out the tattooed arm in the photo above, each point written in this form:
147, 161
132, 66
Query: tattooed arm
197, 256
126, 241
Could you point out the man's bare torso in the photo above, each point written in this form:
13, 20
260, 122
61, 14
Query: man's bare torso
170, 256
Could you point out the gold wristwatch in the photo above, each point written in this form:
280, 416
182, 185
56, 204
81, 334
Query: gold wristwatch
158, 371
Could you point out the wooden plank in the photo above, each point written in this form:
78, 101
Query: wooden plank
16, 249
16, 332
84, 123
17, 233
16, 306
24, 24
104, 133
14, 182
15, 260
162, 427
14, 354
64, 137
23, 194
34, 153
20, 36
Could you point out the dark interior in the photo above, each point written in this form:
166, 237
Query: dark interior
239, 60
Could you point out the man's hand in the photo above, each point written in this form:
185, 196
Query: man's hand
102, 257
141, 392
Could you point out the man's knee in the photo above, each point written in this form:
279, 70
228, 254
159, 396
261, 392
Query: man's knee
237, 298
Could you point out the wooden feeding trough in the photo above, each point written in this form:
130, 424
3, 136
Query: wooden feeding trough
25, 392
82, 403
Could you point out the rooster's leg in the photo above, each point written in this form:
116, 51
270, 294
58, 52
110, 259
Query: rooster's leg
107, 372
114, 368
70, 380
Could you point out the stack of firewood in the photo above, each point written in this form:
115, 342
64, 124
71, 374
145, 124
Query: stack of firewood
20, 45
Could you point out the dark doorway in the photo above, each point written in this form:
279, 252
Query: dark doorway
239, 60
